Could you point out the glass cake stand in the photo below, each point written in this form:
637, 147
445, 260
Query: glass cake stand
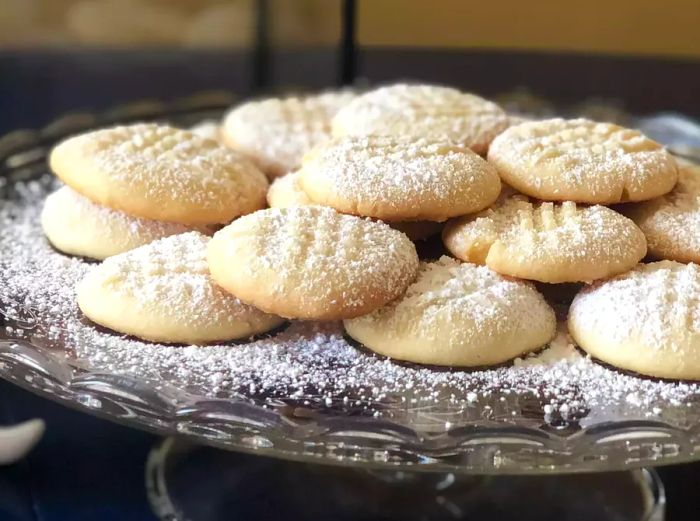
384, 438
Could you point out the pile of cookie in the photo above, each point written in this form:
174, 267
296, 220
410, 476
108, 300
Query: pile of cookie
192, 253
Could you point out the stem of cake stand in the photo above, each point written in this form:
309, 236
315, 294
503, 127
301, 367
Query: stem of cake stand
187, 482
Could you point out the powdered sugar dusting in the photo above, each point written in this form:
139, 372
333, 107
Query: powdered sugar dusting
167, 283
114, 230
163, 167
276, 133
313, 257
670, 222
582, 160
311, 363
423, 110
575, 243
399, 178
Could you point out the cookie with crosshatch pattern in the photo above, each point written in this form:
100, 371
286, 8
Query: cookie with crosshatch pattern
276, 132
430, 111
398, 178
160, 172
458, 314
163, 292
547, 242
583, 161
671, 222
311, 262
646, 320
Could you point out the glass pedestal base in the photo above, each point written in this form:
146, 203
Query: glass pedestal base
187, 482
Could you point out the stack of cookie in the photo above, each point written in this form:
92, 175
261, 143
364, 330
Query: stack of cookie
354, 179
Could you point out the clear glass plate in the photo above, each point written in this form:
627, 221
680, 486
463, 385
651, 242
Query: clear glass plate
194, 483
513, 419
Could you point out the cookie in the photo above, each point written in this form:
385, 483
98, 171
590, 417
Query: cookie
583, 161
208, 129
311, 262
162, 292
671, 222
399, 178
285, 191
75, 225
547, 242
646, 320
423, 111
276, 133
161, 173
458, 314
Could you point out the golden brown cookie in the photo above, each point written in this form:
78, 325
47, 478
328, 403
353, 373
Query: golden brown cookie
547, 242
671, 222
399, 179
423, 111
646, 320
163, 292
583, 161
161, 173
458, 314
311, 262
276, 133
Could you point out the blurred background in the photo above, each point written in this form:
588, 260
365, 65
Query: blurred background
59, 55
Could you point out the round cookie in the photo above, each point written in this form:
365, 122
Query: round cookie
399, 179
75, 225
646, 320
547, 242
583, 161
671, 222
163, 292
311, 262
423, 111
161, 173
458, 314
276, 133
208, 129
285, 191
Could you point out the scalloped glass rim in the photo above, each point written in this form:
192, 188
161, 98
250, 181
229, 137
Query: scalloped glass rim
290, 430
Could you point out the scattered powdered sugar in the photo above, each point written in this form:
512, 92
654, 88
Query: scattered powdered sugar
277, 132
314, 256
399, 178
583, 160
669, 221
654, 302
164, 165
573, 241
312, 364
423, 110
137, 230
